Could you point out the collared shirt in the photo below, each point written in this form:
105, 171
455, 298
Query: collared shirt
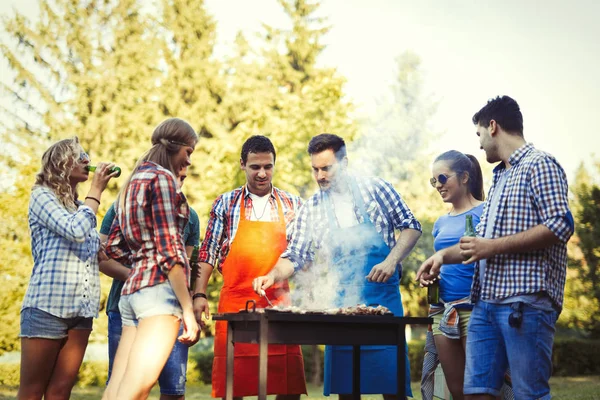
535, 193
65, 281
225, 217
147, 233
383, 204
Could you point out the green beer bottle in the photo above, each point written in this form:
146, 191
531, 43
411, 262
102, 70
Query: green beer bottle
469, 228
433, 292
194, 267
92, 168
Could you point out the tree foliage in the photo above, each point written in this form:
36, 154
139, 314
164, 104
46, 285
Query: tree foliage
394, 145
582, 299
110, 70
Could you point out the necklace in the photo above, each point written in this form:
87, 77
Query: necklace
263, 211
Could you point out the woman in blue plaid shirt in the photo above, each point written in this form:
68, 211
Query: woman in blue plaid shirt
64, 290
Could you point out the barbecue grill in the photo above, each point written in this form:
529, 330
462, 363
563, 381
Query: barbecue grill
265, 326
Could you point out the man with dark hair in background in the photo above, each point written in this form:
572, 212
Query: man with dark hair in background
351, 223
521, 249
248, 229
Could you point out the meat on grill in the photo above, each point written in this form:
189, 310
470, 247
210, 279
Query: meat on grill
359, 309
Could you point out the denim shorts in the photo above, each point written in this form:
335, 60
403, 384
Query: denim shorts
36, 323
172, 378
149, 302
493, 346
463, 322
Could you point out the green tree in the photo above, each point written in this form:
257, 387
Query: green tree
302, 99
583, 291
15, 247
92, 69
394, 145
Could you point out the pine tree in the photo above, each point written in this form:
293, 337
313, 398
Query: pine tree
582, 294
303, 99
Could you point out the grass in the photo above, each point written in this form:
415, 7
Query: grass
563, 388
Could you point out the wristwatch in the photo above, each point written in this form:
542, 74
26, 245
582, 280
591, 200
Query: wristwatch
196, 295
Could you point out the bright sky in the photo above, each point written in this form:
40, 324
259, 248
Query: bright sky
545, 54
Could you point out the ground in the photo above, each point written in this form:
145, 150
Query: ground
563, 388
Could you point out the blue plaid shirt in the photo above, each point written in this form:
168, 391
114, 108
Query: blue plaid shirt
65, 281
535, 193
383, 204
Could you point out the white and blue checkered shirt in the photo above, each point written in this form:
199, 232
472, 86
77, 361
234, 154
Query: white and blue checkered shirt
535, 193
65, 281
383, 204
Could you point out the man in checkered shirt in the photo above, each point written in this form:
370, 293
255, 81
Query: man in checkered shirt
521, 250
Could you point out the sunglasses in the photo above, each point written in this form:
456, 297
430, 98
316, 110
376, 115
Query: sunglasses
83, 157
516, 317
441, 178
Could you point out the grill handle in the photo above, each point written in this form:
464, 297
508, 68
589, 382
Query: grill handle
248, 303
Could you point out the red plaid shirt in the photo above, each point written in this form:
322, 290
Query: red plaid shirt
148, 231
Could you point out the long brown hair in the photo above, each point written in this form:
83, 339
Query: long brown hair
167, 139
57, 164
462, 163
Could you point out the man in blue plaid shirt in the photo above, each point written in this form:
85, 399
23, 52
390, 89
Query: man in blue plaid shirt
521, 249
351, 225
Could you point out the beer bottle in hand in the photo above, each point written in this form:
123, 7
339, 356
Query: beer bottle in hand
116, 169
194, 267
433, 292
469, 228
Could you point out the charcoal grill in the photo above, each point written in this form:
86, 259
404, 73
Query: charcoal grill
265, 327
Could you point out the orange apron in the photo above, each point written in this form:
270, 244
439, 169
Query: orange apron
255, 250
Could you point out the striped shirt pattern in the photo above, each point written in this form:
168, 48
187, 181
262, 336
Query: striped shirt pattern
225, 217
535, 193
148, 232
384, 206
65, 281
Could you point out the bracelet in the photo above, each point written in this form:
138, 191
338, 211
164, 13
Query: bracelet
93, 198
196, 295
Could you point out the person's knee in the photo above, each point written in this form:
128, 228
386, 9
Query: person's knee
58, 390
30, 392
456, 388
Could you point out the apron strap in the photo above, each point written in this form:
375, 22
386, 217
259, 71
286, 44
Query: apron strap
358, 203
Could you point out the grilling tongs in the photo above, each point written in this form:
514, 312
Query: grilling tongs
264, 294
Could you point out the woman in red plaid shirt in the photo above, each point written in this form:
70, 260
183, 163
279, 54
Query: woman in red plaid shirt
147, 234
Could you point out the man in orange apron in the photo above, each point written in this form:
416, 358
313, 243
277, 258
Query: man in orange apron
246, 233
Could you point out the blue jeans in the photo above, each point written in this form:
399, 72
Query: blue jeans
493, 345
173, 376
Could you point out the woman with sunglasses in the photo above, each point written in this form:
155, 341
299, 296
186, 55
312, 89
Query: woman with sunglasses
458, 179
64, 289
147, 234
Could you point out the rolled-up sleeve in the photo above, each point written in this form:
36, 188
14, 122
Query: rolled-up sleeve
47, 210
169, 244
300, 250
117, 247
549, 192
401, 215
209, 251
